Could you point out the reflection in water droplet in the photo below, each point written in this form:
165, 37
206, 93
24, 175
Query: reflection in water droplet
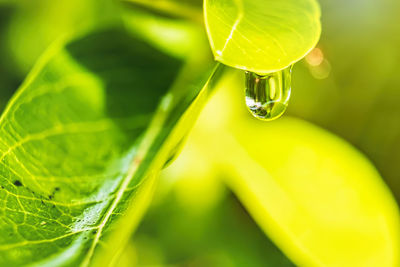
267, 96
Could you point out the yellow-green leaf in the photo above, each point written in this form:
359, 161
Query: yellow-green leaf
262, 35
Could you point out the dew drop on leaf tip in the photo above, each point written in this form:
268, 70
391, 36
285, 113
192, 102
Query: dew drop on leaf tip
267, 95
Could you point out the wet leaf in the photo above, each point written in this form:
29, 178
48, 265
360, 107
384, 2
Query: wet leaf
82, 141
262, 35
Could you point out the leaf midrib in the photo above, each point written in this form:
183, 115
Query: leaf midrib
124, 185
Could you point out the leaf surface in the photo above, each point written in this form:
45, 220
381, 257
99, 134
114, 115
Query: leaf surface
262, 36
81, 143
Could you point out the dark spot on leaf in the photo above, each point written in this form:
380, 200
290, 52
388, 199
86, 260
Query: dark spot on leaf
57, 189
17, 183
94, 231
54, 206
51, 197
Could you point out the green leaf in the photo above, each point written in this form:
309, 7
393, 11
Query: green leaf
318, 198
262, 36
82, 141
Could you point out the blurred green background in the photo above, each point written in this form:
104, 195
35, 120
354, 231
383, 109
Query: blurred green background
349, 85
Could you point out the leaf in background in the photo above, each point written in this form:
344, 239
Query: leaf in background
317, 198
81, 143
262, 36
36, 24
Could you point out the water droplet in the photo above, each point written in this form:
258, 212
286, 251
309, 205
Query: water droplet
267, 96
